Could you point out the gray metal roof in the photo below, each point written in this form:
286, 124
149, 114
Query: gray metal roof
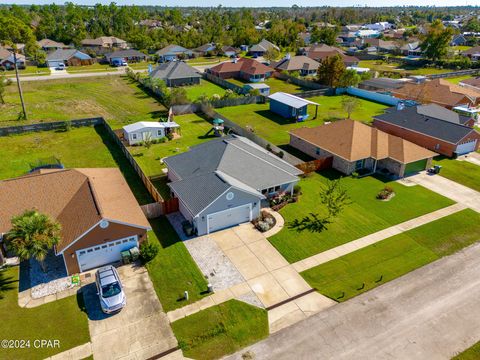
231, 161
439, 112
291, 100
65, 54
174, 70
410, 118
383, 83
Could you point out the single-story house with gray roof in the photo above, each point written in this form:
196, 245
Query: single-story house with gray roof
70, 57
224, 182
129, 55
176, 73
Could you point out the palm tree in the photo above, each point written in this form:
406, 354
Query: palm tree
32, 236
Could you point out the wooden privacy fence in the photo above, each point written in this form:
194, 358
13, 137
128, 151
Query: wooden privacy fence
316, 165
152, 210
298, 81
57, 125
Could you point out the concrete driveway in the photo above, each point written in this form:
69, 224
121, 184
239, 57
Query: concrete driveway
141, 330
430, 313
448, 188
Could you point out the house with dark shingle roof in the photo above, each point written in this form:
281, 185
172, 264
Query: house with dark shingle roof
262, 47
223, 182
98, 212
129, 55
356, 146
176, 73
70, 57
431, 126
247, 69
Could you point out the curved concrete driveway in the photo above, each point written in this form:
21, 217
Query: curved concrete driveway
431, 313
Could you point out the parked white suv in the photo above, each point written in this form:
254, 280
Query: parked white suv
110, 290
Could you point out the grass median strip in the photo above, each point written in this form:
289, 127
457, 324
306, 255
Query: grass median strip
220, 330
173, 270
367, 268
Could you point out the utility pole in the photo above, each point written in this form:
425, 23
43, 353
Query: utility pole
18, 82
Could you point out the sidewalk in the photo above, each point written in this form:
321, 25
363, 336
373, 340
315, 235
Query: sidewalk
365, 241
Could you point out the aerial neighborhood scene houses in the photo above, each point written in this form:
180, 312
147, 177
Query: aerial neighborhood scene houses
224, 182
224, 173
111, 220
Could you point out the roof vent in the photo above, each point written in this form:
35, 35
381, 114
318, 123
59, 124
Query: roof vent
400, 106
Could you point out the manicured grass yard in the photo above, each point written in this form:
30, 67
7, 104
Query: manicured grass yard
91, 68
458, 79
205, 88
193, 129
220, 330
28, 71
64, 320
364, 216
404, 70
173, 270
342, 278
117, 99
472, 353
79, 147
275, 128
275, 85
462, 172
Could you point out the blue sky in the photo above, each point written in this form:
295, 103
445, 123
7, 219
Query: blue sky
262, 3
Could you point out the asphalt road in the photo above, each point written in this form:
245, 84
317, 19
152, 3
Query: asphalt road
431, 313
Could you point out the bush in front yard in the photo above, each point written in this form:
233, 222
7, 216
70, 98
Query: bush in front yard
148, 251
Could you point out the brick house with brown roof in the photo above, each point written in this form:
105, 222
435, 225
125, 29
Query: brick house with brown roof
246, 69
356, 146
99, 214
440, 92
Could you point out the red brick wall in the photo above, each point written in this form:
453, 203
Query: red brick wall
430, 143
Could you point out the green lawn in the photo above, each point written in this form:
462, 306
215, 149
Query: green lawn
220, 330
275, 85
458, 79
205, 88
143, 65
79, 147
64, 320
91, 68
472, 353
343, 278
28, 71
173, 270
403, 70
462, 172
275, 128
193, 129
364, 216
116, 98
206, 60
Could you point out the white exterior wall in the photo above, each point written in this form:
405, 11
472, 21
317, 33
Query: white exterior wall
157, 133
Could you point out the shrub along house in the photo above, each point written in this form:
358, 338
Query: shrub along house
357, 147
245, 69
99, 215
70, 57
176, 73
431, 126
224, 182
147, 130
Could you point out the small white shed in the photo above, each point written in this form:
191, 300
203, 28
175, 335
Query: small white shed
147, 130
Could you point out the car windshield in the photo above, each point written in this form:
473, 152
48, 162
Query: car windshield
111, 290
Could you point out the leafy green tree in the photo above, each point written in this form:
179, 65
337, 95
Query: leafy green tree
325, 35
33, 235
178, 96
271, 54
436, 41
330, 71
350, 104
349, 78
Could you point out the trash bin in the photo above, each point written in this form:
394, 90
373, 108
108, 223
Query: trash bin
134, 253
126, 257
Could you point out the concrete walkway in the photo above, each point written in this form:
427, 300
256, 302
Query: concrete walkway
473, 158
430, 313
78, 352
365, 241
448, 188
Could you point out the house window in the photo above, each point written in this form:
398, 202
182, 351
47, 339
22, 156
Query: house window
317, 151
270, 190
159, 132
437, 146
264, 191
277, 188
134, 136
359, 164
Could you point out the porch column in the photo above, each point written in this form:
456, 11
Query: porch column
375, 165
316, 111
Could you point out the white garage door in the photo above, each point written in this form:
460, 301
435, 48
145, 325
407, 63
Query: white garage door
466, 148
234, 216
96, 256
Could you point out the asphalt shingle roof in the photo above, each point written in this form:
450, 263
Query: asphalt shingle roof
174, 70
232, 161
410, 118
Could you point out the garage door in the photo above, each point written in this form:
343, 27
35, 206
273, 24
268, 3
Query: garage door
466, 147
416, 166
96, 256
230, 217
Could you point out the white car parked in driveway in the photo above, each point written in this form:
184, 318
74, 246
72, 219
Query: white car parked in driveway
110, 290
